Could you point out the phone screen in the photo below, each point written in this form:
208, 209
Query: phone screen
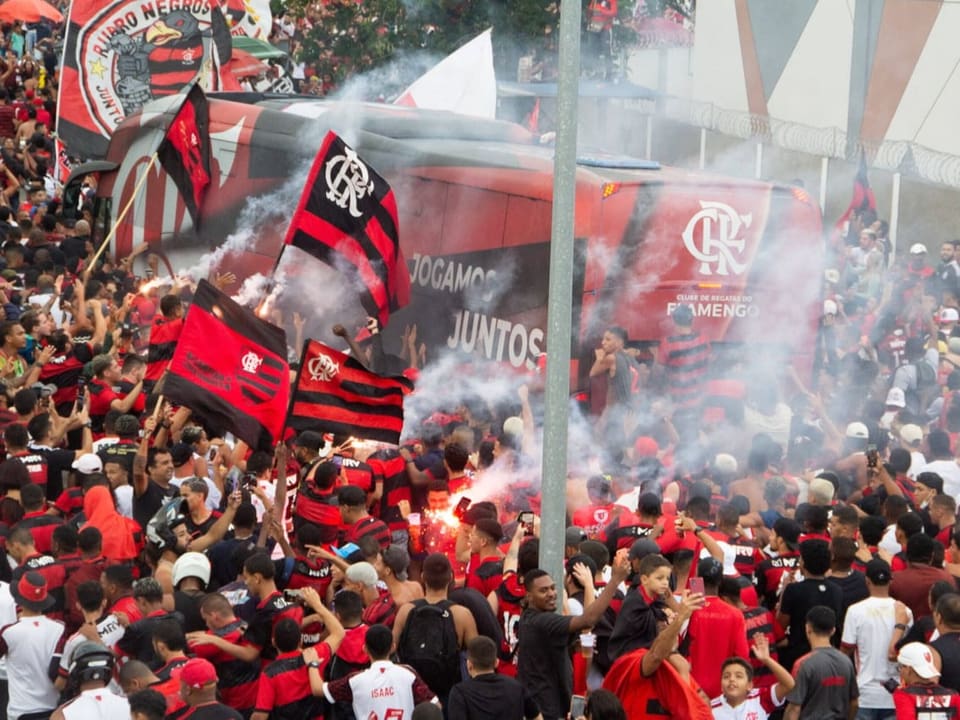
696, 585
578, 706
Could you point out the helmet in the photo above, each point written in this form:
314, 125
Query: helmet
161, 525
91, 661
191, 564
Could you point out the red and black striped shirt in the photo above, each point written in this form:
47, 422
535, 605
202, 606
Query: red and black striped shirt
686, 359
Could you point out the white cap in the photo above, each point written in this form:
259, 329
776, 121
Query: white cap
88, 463
949, 315
896, 398
831, 275
725, 463
911, 434
191, 564
829, 307
513, 426
918, 249
918, 657
857, 430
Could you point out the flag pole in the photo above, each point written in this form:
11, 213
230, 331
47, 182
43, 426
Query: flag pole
123, 214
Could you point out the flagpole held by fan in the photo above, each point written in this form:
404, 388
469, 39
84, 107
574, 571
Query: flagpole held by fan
123, 214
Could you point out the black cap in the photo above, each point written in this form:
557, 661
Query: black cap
641, 548
878, 572
309, 439
711, 570
574, 536
789, 531
351, 496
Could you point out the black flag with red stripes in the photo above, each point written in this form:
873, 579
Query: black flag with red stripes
347, 217
185, 150
334, 393
230, 367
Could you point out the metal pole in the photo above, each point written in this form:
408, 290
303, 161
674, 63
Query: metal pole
894, 216
703, 148
560, 299
758, 169
824, 173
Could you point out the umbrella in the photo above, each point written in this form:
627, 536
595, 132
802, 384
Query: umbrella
29, 11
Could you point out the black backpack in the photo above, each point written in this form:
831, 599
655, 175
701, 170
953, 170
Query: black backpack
340, 668
429, 645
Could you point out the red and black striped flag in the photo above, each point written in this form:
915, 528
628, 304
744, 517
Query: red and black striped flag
230, 367
347, 217
334, 393
185, 150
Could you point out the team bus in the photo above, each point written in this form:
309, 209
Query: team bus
474, 200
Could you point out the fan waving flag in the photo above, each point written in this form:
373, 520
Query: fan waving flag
863, 198
230, 367
334, 393
185, 150
347, 217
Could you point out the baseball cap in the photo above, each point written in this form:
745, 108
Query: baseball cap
918, 249
896, 398
878, 571
789, 531
196, 673
829, 307
641, 548
397, 559
917, 656
711, 570
911, 434
310, 440
46, 390
857, 430
948, 315
574, 536
88, 463
30, 592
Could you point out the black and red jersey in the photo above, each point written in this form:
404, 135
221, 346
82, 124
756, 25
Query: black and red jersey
35, 463
237, 679
284, 692
769, 573
369, 526
391, 471
41, 527
510, 594
269, 611
163, 341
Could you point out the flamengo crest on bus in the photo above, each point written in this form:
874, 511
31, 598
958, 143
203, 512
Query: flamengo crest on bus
349, 181
719, 237
322, 368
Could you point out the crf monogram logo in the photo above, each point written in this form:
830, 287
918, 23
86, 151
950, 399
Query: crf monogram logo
349, 181
720, 244
251, 362
322, 368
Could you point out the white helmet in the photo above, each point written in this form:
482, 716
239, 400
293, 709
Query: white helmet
191, 564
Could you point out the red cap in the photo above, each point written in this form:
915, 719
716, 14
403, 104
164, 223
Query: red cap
196, 673
646, 447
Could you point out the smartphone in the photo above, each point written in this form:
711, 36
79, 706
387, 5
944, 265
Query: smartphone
873, 456
525, 518
461, 509
81, 390
696, 585
578, 706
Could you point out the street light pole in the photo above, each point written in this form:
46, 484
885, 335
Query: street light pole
560, 299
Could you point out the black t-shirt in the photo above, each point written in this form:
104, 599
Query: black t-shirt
146, 506
491, 695
853, 588
137, 640
543, 660
797, 600
58, 463
636, 625
948, 645
187, 604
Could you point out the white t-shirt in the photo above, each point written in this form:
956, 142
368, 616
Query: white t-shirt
757, 706
29, 645
8, 616
96, 705
869, 627
124, 496
385, 690
889, 540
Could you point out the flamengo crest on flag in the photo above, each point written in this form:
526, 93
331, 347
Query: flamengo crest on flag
335, 393
347, 218
230, 367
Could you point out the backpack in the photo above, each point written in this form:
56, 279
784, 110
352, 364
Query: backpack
340, 668
927, 386
429, 645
